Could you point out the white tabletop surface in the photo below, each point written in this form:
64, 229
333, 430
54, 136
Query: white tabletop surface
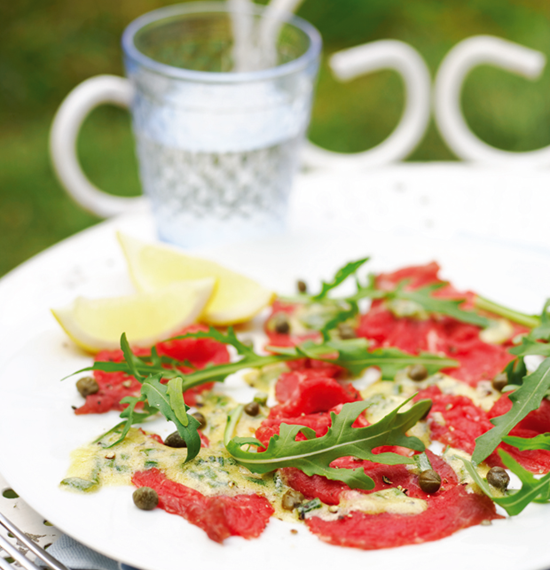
438, 200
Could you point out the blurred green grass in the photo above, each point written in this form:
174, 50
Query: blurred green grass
47, 48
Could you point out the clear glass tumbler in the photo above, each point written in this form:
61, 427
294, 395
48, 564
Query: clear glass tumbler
218, 148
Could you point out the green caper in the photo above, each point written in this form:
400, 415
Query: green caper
87, 386
498, 478
200, 418
174, 440
418, 372
429, 481
281, 324
346, 331
291, 499
261, 398
252, 409
499, 381
145, 498
301, 286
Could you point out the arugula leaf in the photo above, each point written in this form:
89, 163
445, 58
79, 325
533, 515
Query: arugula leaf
131, 359
541, 441
155, 358
158, 397
423, 299
132, 417
542, 332
516, 371
530, 345
341, 316
174, 391
353, 355
532, 489
139, 365
341, 275
524, 400
422, 461
229, 338
388, 360
450, 307
484, 304
314, 455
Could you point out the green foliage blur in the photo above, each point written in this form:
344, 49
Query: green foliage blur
49, 47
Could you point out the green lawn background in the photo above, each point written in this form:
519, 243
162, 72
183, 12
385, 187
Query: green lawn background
48, 47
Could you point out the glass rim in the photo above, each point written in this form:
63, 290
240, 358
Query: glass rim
287, 68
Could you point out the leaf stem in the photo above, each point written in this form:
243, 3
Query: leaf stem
484, 304
232, 421
219, 372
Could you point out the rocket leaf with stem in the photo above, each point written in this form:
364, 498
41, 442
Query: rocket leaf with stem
315, 455
530, 346
515, 501
352, 354
168, 399
541, 441
525, 399
341, 275
421, 297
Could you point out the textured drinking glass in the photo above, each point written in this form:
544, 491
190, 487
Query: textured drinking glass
218, 148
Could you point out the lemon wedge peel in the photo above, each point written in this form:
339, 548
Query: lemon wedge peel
237, 298
146, 317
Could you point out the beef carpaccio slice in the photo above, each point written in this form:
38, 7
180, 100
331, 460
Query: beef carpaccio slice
478, 360
452, 508
113, 386
447, 513
219, 516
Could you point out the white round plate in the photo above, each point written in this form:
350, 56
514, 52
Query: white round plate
38, 428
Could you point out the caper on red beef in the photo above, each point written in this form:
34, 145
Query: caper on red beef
498, 478
281, 324
417, 372
429, 481
87, 386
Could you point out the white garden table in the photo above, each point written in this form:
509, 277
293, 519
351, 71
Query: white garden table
442, 201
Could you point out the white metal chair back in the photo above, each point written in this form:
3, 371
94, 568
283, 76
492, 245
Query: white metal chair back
348, 64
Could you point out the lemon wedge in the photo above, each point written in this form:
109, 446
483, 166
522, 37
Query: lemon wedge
146, 318
236, 299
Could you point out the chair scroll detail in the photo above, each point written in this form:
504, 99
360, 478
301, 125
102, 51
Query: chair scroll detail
63, 137
361, 60
450, 77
